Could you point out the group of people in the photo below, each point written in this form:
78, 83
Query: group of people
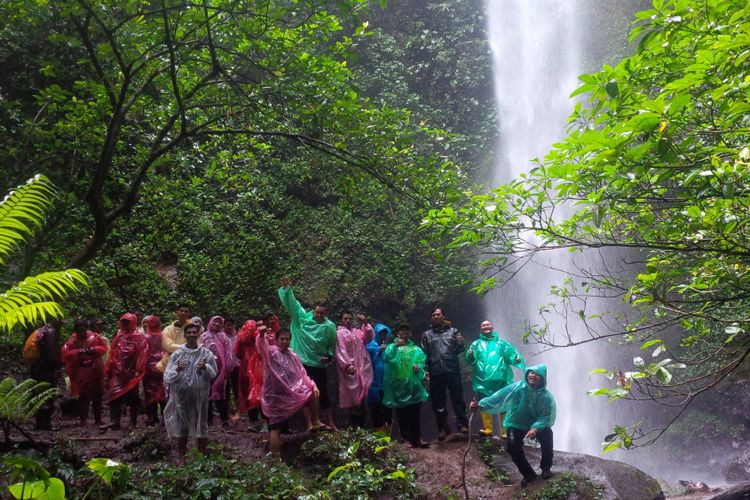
274, 372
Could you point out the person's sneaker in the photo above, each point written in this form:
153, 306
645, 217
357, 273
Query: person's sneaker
464, 429
421, 444
546, 474
442, 435
485, 433
528, 480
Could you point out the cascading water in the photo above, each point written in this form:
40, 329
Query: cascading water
537, 48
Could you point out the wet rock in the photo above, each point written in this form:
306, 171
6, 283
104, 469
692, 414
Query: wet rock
738, 468
740, 491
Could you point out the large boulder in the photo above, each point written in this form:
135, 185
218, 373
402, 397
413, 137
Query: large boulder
619, 480
738, 468
740, 491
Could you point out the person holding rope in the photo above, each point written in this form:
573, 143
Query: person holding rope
530, 413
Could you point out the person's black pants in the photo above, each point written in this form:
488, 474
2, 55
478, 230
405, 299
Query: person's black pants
453, 384
233, 385
132, 400
409, 423
85, 399
357, 416
380, 414
515, 449
319, 375
222, 406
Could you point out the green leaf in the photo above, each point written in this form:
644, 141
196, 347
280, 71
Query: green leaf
53, 489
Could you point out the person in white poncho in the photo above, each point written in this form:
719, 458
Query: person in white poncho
189, 374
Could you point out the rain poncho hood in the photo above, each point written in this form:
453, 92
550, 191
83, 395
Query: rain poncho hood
492, 361
383, 335
216, 341
128, 358
251, 367
153, 380
525, 407
83, 362
310, 340
401, 386
186, 412
351, 351
286, 386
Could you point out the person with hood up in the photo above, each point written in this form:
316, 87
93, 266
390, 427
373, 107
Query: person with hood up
314, 341
189, 373
125, 367
379, 414
286, 386
403, 385
354, 367
153, 380
82, 355
215, 340
491, 358
530, 413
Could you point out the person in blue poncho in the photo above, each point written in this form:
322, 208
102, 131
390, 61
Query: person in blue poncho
381, 415
529, 413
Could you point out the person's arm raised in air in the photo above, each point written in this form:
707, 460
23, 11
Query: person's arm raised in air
290, 302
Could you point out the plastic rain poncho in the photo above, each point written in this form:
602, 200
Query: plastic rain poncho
153, 380
286, 386
351, 351
524, 406
83, 363
382, 337
310, 340
492, 361
128, 358
215, 340
186, 413
250, 377
401, 386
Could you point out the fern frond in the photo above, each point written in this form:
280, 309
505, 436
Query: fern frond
32, 301
23, 399
22, 212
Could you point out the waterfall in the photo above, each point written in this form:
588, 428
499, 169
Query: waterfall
537, 57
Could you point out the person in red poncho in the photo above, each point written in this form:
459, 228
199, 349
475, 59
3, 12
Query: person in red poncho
82, 355
251, 373
125, 367
153, 379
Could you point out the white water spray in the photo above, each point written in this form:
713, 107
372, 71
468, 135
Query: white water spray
536, 46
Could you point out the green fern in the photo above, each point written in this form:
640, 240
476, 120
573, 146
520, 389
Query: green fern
22, 211
33, 300
20, 401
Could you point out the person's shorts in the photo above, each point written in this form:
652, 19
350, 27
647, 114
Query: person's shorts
320, 377
284, 424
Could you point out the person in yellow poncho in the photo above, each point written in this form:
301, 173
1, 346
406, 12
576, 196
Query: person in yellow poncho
491, 359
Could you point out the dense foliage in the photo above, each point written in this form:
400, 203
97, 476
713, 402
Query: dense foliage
655, 163
204, 150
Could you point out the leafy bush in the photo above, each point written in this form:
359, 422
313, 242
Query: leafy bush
358, 464
19, 402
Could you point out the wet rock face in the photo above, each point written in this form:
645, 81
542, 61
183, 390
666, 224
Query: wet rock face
738, 468
739, 491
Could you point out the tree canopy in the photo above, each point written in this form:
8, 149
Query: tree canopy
655, 162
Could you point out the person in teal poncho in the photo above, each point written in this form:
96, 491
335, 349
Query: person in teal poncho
314, 341
491, 359
530, 413
403, 385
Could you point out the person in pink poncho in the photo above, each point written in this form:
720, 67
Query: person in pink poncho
215, 340
153, 381
354, 367
286, 386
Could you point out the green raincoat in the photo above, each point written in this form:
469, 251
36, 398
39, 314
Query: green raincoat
310, 340
401, 386
524, 406
493, 358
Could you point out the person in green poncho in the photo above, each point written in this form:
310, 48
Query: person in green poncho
491, 358
314, 341
403, 385
530, 413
